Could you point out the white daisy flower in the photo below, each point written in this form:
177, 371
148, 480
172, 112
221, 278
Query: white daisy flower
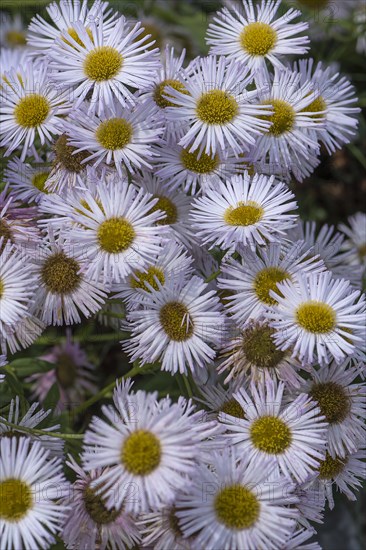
171, 262
63, 14
32, 419
121, 137
13, 32
356, 234
249, 283
175, 205
30, 107
298, 538
245, 211
150, 448
190, 171
17, 285
253, 35
219, 108
103, 65
311, 505
89, 523
252, 353
28, 182
160, 530
288, 142
64, 289
20, 334
115, 231
30, 485
346, 474
328, 244
318, 317
336, 94
294, 435
342, 402
218, 399
230, 505
179, 326
73, 374
17, 222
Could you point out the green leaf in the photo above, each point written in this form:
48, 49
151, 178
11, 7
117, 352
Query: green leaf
29, 365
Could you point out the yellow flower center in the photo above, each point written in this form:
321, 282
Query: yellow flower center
316, 106
115, 235
334, 403
246, 213
2, 288
96, 508
5, 232
259, 348
141, 453
331, 467
217, 107
140, 278
39, 180
266, 280
237, 507
103, 63
175, 320
258, 38
31, 111
316, 317
60, 273
361, 250
15, 500
72, 32
66, 370
204, 165
114, 133
270, 435
232, 408
283, 118
167, 206
65, 157
160, 92
15, 38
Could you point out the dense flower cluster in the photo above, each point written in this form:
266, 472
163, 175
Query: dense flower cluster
152, 188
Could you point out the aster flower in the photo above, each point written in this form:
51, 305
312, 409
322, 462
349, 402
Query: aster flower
179, 326
63, 14
28, 182
89, 523
65, 289
336, 94
253, 35
249, 283
293, 435
12, 31
218, 399
342, 473
17, 222
252, 353
171, 262
73, 374
174, 204
356, 234
30, 107
243, 210
219, 108
288, 142
298, 538
342, 402
116, 230
33, 418
318, 317
121, 137
103, 64
149, 454
20, 334
30, 484
230, 505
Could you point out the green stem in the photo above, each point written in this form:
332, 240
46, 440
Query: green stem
35, 431
130, 374
212, 276
187, 385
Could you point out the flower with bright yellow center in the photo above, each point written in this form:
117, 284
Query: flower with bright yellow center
266, 280
114, 133
160, 94
270, 435
103, 63
39, 180
115, 235
167, 206
244, 214
141, 453
316, 317
140, 278
283, 117
203, 165
15, 500
258, 38
175, 320
331, 467
316, 106
32, 111
217, 107
237, 507
72, 32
